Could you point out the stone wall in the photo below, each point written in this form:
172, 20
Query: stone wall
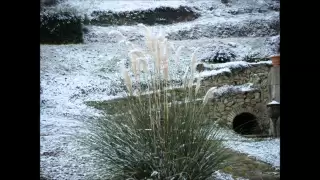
232, 96
232, 99
237, 76
224, 107
257, 72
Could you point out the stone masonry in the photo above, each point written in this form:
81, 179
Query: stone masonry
233, 99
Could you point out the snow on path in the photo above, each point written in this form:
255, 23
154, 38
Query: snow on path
65, 73
224, 176
266, 150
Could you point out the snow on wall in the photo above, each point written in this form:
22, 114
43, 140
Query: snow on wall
227, 100
234, 64
227, 89
231, 75
229, 66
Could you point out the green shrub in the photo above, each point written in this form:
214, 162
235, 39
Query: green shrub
219, 54
60, 27
159, 15
152, 138
254, 57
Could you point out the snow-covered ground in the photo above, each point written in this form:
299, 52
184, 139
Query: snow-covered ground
72, 74
88, 6
224, 176
267, 150
205, 6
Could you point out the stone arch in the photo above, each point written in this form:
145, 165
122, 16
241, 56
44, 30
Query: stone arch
245, 120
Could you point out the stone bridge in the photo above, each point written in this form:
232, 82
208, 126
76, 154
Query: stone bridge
240, 99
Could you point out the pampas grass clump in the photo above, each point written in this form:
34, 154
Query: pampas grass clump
154, 138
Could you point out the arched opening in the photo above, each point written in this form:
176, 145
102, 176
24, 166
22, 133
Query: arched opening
246, 124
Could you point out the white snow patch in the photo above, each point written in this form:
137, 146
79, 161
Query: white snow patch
267, 151
262, 62
273, 102
224, 176
214, 72
215, 92
233, 89
226, 67
234, 64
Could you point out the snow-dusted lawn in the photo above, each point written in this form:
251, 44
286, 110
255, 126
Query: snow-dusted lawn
267, 150
63, 109
72, 74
